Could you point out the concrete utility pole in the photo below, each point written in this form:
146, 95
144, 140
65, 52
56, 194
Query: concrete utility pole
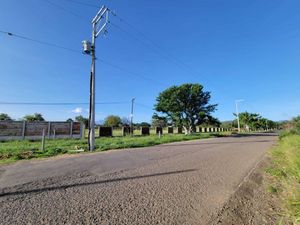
131, 116
99, 26
237, 113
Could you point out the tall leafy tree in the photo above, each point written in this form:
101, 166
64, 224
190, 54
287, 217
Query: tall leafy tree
249, 120
34, 117
159, 121
228, 124
5, 117
144, 124
186, 105
255, 121
83, 120
296, 122
112, 121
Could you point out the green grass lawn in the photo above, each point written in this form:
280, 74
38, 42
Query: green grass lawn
285, 170
11, 151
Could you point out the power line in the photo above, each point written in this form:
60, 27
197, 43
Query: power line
64, 9
39, 41
76, 51
159, 49
62, 103
149, 39
144, 106
132, 73
145, 44
167, 55
83, 3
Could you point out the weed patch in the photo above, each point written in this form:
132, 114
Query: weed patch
286, 171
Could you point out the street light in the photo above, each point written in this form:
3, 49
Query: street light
131, 116
237, 113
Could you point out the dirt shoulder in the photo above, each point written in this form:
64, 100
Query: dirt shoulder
252, 203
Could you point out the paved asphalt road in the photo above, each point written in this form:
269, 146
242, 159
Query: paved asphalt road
178, 183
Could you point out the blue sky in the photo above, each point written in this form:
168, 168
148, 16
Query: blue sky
237, 49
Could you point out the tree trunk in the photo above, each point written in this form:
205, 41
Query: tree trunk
187, 130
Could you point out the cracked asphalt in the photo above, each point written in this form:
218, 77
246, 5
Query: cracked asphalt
177, 183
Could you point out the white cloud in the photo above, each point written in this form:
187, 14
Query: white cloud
77, 110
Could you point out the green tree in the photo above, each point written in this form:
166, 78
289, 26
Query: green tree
295, 124
228, 124
112, 121
34, 117
186, 105
70, 120
255, 121
249, 120
5, 117
83, 120
159, 121
144, 124
210, 121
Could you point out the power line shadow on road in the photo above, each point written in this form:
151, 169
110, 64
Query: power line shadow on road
213, 143
39, 190
240, 135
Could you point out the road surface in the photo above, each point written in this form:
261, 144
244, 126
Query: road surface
177, 183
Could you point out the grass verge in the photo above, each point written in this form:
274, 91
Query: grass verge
11, 151
285, 173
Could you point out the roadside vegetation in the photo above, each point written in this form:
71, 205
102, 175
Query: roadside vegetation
11, 151
285, 170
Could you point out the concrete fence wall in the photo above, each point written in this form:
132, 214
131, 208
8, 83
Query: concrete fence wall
170, 130
158, 130
105, 131
145, 130
19, 130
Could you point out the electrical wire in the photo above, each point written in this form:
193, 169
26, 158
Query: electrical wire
132, 73
144, 106
64, 9
83, 3
146, 45
63, 103
158, 49
76, 51
175, 60
178, 61
39, 42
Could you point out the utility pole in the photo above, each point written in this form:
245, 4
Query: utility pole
237, 113
131, 116
99, 26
